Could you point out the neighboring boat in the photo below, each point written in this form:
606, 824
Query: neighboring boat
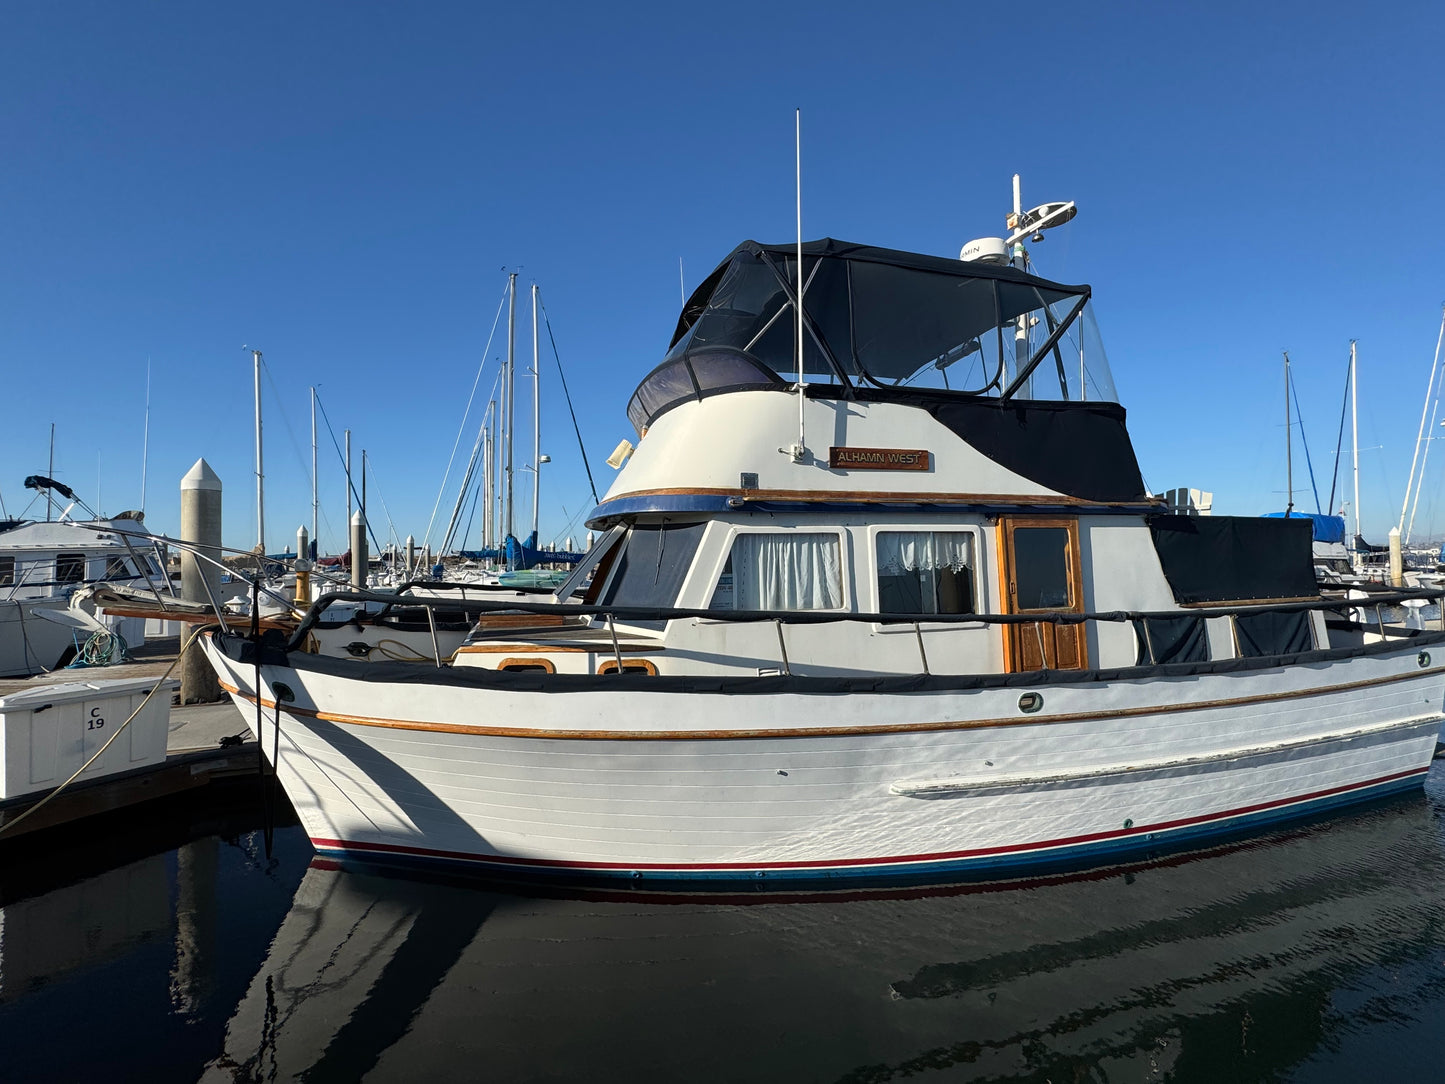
50, 560
951, 634
33, 635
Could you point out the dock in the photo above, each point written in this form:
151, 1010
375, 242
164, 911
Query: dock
205, 744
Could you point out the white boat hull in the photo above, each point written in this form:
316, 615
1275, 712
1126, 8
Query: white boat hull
700, 784
28, 642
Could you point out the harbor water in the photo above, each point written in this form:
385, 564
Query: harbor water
172, 947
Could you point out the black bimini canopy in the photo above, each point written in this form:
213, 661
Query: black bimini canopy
872, 317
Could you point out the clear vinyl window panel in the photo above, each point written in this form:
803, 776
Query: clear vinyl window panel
781, 571
1073, 369
926, 572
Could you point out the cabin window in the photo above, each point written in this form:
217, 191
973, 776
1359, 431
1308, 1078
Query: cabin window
925, 572
69, 567
654, 560
781, 571
1041, 567
117, 569
7, 570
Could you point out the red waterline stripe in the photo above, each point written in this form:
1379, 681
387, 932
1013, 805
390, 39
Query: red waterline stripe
555, 863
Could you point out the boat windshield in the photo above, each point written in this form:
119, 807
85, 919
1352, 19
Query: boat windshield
875, 317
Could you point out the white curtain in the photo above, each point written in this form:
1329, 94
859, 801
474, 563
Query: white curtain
926, 551
786, 572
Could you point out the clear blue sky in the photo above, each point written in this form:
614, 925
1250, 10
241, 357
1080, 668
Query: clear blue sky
342, 184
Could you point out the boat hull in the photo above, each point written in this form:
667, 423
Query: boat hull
671, 785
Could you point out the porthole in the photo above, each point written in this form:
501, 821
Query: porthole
629, 666
1031, 702
1423, 659
283, 692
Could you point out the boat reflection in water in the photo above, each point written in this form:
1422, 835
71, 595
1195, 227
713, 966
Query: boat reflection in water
1314, 951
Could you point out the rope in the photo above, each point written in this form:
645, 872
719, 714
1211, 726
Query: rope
1305, 441
341, 456
575, 427
1340, 440
118, 732
426, 539
101, 649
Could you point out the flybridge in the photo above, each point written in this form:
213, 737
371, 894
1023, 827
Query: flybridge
878, 318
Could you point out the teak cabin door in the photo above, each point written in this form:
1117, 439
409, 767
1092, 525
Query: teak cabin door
1039, 562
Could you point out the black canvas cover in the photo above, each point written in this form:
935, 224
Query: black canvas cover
1235, 558
881, 314
1080, 449
1171, 639
1262, 635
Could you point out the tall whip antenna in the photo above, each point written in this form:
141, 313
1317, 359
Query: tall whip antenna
145, 446
800, 449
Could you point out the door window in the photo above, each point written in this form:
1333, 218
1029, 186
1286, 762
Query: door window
1041, 567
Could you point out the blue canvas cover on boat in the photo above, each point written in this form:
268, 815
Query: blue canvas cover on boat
1326, 528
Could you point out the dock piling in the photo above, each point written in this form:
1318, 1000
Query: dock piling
200, 580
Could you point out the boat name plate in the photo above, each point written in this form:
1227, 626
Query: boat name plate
841, 458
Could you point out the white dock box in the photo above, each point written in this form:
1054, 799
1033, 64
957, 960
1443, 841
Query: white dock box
47, 732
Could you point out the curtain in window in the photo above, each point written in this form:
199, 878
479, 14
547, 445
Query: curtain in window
786, 572
914, 551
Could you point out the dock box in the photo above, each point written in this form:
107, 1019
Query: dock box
47, 732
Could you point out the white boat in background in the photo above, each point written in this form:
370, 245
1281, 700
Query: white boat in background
43, 563
885, 597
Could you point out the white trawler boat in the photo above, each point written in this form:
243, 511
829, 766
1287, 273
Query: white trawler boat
885, 599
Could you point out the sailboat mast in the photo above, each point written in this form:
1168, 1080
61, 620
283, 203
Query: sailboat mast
510, 399
1355, 436
536, 417
260, 467
315, 501
50, 473
489, 476
1288, 442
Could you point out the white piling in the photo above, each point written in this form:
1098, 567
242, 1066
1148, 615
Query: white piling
1397, 559
201, 526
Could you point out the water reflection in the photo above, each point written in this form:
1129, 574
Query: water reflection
1313, 954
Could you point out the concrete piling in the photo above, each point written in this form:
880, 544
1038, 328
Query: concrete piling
201, 526
358, 551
